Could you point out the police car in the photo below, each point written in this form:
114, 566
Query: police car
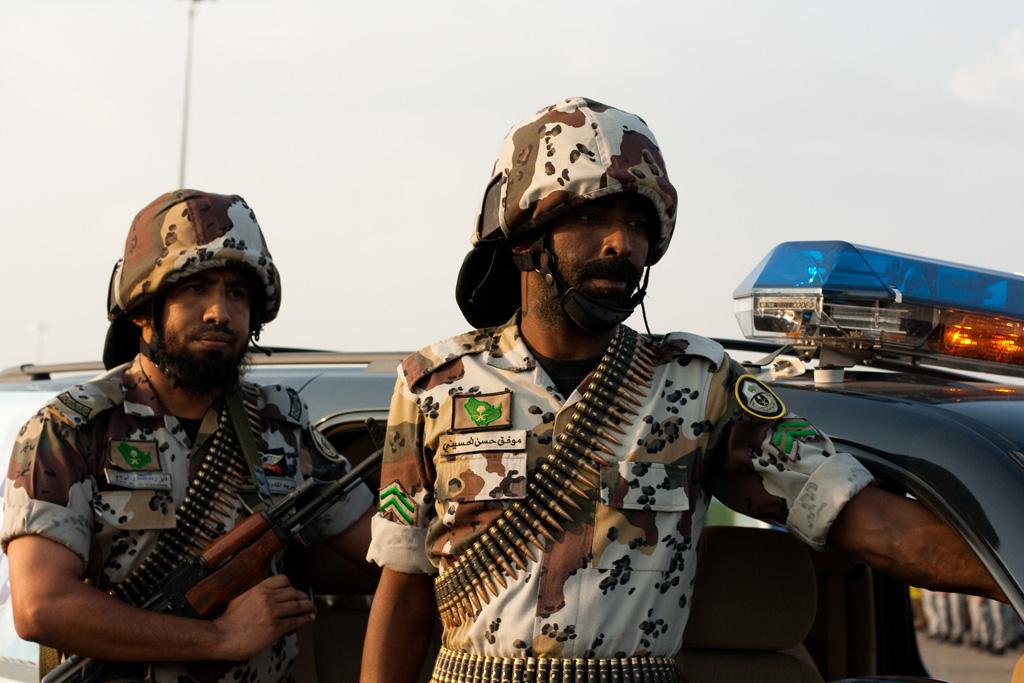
912, 365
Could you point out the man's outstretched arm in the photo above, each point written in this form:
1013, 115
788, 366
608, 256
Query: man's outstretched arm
402, 620
903, 538
52, 606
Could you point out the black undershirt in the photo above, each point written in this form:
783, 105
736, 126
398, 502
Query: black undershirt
566, 374
191, 427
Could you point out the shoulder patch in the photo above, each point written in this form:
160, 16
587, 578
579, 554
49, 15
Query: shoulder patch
756, 398
283, 403
434, 357
321, 445
83, 402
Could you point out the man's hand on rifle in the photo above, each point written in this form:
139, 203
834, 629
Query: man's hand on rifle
53, 606
258, 617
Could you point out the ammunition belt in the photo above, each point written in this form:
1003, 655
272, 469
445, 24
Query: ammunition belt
558, 487
464, 667
211, 497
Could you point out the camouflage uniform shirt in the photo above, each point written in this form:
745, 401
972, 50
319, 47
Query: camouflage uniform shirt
102, 468
617, 583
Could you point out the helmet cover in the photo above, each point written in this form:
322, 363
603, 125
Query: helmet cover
564, 155
177, 235
569, 153
185, 232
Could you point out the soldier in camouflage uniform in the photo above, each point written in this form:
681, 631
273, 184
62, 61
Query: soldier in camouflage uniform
97, 476
553, 469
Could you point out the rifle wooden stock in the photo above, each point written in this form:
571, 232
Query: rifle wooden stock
232, 564
235, 541
237, 575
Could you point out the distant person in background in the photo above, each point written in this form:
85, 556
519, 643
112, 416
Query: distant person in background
117, 480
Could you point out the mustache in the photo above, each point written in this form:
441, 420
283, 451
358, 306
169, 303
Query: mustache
613, 268
222, 332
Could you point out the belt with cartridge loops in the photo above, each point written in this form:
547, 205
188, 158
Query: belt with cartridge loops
464, 667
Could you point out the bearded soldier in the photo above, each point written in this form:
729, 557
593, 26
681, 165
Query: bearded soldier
547, 476
115, 479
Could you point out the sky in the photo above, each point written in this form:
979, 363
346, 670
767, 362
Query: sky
363, 136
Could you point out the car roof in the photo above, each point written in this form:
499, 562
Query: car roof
330, 382
996, 405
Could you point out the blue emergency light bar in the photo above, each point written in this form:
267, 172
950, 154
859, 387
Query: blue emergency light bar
844, 270
860, 298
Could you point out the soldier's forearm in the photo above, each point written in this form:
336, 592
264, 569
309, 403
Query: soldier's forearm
52, 606
402, 621
901, 537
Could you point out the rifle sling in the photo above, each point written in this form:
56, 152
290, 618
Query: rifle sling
247, 442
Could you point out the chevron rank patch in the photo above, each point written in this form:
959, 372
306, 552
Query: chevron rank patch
756, 398
788, 432
396, 505
322, 445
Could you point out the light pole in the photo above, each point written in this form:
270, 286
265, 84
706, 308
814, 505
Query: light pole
41, 329
188, 89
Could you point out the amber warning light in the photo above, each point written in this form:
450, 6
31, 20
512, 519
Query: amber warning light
992, 339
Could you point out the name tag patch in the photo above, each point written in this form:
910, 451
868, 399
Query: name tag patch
473, 412
138, 480
280, 485
506, 440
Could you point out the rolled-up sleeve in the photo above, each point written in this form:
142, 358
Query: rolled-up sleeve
48, 491
405, 499
783, 469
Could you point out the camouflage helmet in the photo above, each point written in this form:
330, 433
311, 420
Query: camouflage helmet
566, 154
177, 235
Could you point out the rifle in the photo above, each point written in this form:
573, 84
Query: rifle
232, 564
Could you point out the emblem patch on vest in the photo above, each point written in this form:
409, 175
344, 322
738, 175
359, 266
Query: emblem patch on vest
322, 445
135, 465
481, 411
133, 455
756, 398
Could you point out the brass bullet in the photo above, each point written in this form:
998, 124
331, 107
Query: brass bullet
588, 439
535, 524
542, 517
520, 520
500, 556
562, 479
545, 497
580, 448
518, 544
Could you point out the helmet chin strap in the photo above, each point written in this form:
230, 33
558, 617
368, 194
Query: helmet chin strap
586, 312
148, 349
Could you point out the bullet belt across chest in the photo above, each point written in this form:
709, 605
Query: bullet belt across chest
464, 667
553, 491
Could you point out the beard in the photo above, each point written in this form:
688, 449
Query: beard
580, 275
199, 373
